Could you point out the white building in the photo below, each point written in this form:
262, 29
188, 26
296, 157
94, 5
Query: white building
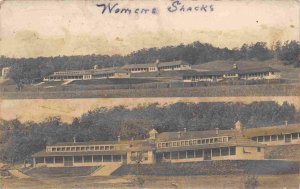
266, 73
5, 72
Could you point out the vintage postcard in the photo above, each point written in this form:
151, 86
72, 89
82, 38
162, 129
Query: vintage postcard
149, 94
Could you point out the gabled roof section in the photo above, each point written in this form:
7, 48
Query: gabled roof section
181, 135
235, 140
232, 71
128, 66
172, 63
273, 130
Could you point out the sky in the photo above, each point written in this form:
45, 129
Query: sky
33, 28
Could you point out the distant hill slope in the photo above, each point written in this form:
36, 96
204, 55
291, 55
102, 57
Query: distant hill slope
287, 71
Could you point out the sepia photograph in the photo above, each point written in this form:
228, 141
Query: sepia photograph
147, 94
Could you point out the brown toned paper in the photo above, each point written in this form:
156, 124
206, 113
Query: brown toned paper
149, 94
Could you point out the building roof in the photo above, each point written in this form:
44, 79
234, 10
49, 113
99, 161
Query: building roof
127, 145
89, 72
273, 130
81, 153
232, 71
172, 63
174, 136
107, 71
128, 66
112, 142
237, 140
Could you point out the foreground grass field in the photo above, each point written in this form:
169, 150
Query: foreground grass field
152, 182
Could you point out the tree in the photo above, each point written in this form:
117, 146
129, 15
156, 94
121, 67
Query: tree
289, 53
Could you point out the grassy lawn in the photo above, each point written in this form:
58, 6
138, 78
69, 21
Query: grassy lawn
184, 182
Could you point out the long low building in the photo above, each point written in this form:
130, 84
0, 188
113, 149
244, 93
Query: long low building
71, 154
277, 135
116, 72
88, 74
173, 147
266, 73
157, 66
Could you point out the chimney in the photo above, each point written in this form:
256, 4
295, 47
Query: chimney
238, 126
119, 138
217, 131
74, 139
184, 129
235, 66
286, 123
179, 134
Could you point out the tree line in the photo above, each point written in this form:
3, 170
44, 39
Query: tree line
18, 141
27, 70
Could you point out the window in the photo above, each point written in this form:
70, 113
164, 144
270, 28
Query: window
294, 136
190, 154
174, 155
97, 158
167, 155
186, 143
199, 142
232, 150
211, 140
254, 138
260, 138
92, 148
258, 149
145, 156
97, 147
225, 151
174, 144
215, 152
182, 154
58, 149
112, 147
54, 149
49, 159
77, 159
198, 153
280, 137
82, 148
58, 159
107, 158
101, 147
267, 138
274, 138
117, 158
87, 148
68, 149
63, 149
87, 159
